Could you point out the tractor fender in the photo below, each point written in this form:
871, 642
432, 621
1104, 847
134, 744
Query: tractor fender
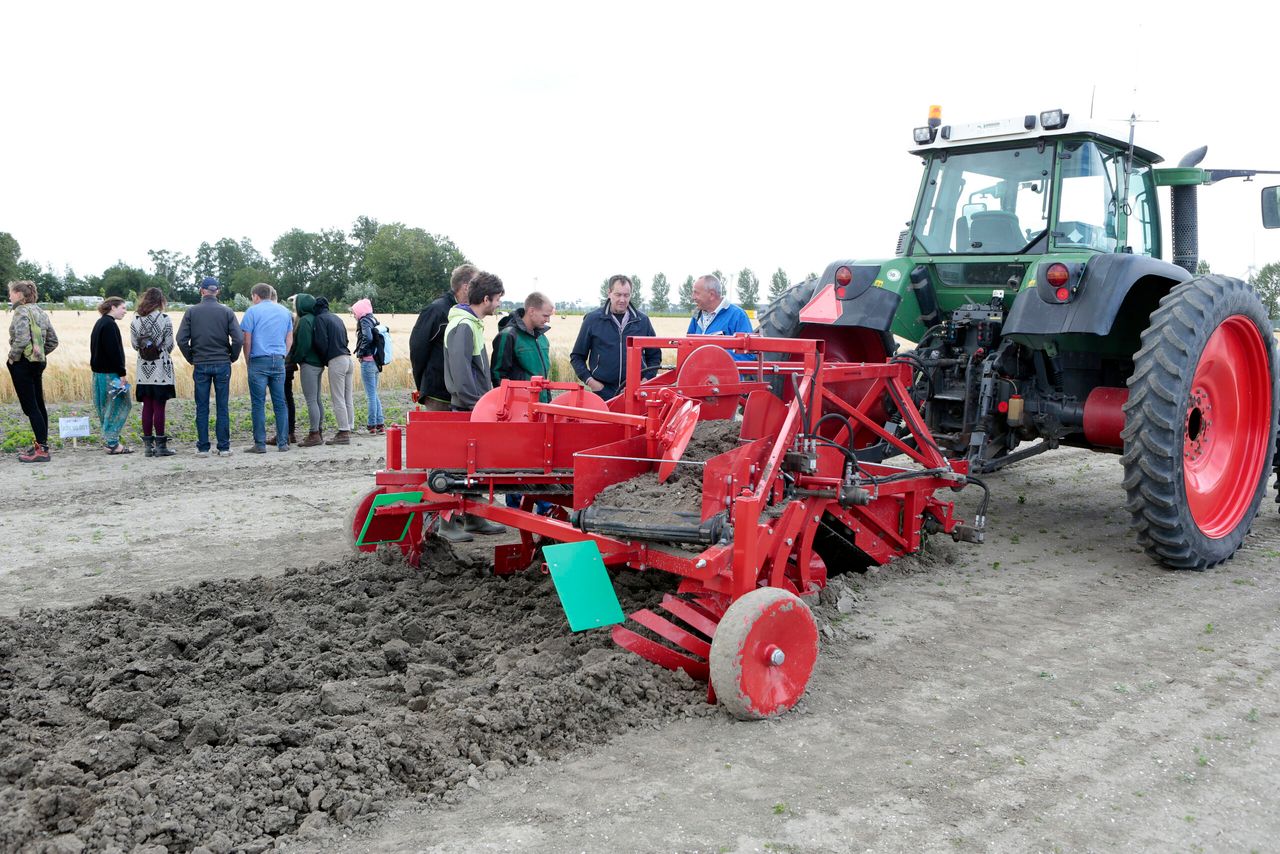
1097, 297
865, 302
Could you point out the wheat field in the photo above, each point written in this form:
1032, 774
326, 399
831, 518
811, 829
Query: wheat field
68, 378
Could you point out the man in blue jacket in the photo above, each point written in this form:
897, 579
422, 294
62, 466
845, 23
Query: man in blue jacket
715, 314
599, 356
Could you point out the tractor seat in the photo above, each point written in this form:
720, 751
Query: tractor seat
996, 231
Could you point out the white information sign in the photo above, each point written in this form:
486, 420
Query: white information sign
71, 428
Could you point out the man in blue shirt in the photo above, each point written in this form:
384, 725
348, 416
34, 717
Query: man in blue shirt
268, 337
716, 315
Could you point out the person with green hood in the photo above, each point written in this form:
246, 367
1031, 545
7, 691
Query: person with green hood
467, 377
311, 366
521, 351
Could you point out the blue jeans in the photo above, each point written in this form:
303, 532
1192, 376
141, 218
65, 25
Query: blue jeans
369, 376
218, 375
268, 372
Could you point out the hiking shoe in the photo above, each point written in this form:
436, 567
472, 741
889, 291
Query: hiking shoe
342, 437
256, 449
282, 447
313, 438
37, 454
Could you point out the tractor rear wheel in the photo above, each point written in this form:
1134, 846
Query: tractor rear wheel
1200, 422
763, 653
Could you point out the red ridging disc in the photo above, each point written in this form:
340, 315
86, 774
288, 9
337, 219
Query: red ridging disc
763, 653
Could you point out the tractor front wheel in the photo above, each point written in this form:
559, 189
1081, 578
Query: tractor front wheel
763, 653
1200, 422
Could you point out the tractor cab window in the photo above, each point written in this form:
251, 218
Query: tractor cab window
1140, 206
984, 203
1086, 201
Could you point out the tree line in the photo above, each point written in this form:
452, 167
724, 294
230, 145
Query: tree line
744, 290
404, 268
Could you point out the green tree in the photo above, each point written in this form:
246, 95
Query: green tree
778, 284
363, 230
686, 294
293, 254
121, 280
243, 280
48, 285
1267, 283
661, 290
10, 252
748, 288
724, 283
178, 270
333, 264
604, 289
1202, 268
409, 266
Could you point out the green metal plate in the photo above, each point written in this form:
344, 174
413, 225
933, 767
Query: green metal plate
387, 529
583, 585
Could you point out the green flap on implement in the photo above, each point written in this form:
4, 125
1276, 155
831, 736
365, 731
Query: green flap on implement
583, 584
389, 528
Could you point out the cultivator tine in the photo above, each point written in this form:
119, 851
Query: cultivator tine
662, 627
663, 656
691, 614
693, 642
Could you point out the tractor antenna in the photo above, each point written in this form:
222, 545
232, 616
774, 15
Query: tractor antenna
1092, 95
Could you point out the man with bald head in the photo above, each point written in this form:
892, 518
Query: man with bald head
715, 314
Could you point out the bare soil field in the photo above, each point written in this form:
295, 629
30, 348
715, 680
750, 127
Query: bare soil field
190, 660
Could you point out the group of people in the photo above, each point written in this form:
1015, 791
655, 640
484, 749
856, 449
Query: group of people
275, 344
451, 365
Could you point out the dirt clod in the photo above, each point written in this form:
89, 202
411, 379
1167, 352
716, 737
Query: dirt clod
278, 710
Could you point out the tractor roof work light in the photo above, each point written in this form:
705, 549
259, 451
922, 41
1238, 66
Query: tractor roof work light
1053, 119
924, 135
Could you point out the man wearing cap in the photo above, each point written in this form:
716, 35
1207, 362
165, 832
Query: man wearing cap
210, 339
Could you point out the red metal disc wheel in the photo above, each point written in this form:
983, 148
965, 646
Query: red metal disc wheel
710, 366
410, 546
763, 653
356, 518
1227, 430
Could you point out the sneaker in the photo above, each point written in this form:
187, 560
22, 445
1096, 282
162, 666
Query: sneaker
203, 453
282, 448
37, 454
256, 449
224, 453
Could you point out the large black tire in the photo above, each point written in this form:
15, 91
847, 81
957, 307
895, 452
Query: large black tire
1196, 454
781, 318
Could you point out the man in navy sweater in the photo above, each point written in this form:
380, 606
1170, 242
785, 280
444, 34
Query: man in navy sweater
599, 356
715, 314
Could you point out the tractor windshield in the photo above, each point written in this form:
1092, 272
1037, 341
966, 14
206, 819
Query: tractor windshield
985, 202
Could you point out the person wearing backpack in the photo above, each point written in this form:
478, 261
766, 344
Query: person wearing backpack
31, 340
151, 334
371, 348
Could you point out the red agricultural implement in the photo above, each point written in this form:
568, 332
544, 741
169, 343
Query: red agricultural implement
784, 503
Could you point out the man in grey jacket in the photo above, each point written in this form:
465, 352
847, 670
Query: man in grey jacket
210, 339
466, 376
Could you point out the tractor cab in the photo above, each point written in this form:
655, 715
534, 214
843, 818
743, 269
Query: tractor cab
1027, 187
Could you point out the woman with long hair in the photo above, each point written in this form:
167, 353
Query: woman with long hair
151, 334
106, 359
31, 340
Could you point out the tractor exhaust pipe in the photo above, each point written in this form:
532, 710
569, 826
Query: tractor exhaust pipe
1185, 219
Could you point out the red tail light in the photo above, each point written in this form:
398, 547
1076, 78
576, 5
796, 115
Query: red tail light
1057, 275
844, 277
1062, 294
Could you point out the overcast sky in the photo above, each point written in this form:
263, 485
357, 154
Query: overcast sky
558, 143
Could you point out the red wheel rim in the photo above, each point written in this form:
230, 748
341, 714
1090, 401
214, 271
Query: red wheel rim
410, 546
1226, 429
777, 656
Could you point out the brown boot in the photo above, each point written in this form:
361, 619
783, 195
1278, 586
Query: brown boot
315, 437
293, 438
342, 437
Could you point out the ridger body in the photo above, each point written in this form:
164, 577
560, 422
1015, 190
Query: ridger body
779, 506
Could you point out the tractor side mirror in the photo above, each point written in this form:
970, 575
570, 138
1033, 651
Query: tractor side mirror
1271, 207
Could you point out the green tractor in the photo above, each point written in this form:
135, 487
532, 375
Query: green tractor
1031, 280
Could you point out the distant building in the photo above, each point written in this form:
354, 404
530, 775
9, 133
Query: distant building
87, 301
